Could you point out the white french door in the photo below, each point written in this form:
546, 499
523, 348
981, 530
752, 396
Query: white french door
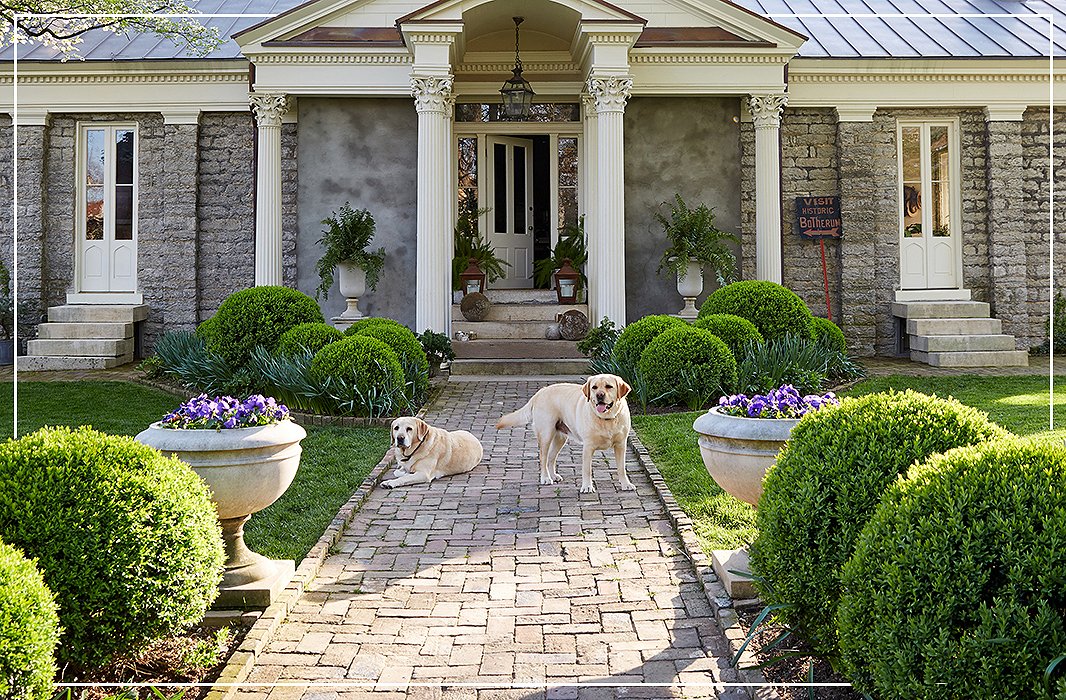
107, 208
510, 196
930, 248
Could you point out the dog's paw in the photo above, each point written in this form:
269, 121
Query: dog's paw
588, 488
388, 484
627, 485
546, 480
556, 478
398, 473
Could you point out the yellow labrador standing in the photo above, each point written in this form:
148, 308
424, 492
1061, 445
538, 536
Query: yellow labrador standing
595, 413
424, 453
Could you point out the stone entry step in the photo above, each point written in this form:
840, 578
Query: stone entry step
81, 347
519, 368
521, 312
90, 313
941, 309
998, 358
502, 330
962, 343
957, 334
516, 350
84, 336
46, 363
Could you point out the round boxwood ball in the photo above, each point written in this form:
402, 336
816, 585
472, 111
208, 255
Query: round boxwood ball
206, 329
126, 538
685, 362
736, 332
307, 336
635, 337
829, 334
409, 351
775, 310
259, 316
366, 363
29, 629
827, 481
957, 583
364, 323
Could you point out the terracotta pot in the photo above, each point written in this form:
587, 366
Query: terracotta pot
690, 287
737, 451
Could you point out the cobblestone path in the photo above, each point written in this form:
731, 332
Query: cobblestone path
490, 578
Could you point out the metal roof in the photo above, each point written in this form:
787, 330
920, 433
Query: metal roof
906, 29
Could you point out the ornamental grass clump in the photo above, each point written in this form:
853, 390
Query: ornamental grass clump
225, 412
783, 402
29, 629
827, 481
126, 538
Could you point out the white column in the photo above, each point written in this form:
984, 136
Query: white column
587, 172
610, 93
766, 114
268, 108
433, 260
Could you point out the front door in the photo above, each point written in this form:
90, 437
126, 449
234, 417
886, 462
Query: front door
929, 235
107, 230
510, 196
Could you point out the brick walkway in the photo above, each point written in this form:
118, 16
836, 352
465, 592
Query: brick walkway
490, 578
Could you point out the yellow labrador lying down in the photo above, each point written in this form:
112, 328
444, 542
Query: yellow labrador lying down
424, 453
595, 413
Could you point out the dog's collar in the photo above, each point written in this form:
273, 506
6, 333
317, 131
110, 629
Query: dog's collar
407, 458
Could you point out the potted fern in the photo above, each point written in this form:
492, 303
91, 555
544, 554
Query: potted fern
694, 242
470, 245
570, 246
347, 236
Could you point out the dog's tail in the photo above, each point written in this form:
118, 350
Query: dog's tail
518, 418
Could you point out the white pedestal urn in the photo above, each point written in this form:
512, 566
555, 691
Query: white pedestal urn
737, 450
246, 469
352, 281
689, 287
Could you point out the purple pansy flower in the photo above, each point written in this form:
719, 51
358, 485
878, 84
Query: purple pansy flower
225, 412
783, 402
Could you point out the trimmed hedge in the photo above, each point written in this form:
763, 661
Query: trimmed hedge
258, 316
29, 629
829, 334
410, 353
827, 481
957, 584
126, 538
735, 332
775, 310
307, 336
637, 335
364, 323
687, 365
206, 329
370, 366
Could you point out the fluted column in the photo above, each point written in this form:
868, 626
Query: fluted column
269, 108
766, 115
433, 102
587, 172
610, 94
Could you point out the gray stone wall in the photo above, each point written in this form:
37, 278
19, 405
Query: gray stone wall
289, 194
689, 146
363, 151
1007, 231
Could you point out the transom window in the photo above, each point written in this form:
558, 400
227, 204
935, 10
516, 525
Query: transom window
541, 112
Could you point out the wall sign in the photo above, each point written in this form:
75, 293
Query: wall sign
818, 217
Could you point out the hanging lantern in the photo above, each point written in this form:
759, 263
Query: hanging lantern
472, 279
517, 92
567, 280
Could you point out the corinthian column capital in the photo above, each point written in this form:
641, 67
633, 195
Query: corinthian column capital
610, 93
269, 107
433, 93
766, 109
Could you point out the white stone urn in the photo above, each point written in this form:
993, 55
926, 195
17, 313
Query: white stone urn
246, 469
689, 287
737, 450
352, 281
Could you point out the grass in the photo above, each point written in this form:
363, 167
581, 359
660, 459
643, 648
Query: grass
334, 462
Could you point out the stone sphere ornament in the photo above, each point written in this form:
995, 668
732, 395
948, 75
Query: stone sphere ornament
552, 332
475, 307
573, 325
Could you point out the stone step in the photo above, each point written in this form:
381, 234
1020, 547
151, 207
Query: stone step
497, 330
516, 350
68, 331
999, 358
91, 313
523, 312
940, 309
522, 296
40, 363
80, 347
520, 368
954, 326
962, 343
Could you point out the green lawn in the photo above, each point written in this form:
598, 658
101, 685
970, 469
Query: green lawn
1019, 404
334, 462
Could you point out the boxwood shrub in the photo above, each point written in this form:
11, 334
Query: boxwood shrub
775, 310
29, 629
126, 538
736, 332
258, 316
635, 337
829, 334
367, 365
410, 353
827, 481
364, 323
206, 329
957, 584
687, 365
307, 336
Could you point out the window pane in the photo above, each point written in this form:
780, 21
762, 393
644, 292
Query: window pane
938, 148
912, 154
94, 213
567, 207
124, 157
541, 112
94, 157
519, 189
468, 162
941, 210
912, 210
499, 183
568, 162
124, 213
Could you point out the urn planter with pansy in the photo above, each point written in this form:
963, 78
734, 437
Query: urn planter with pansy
248, 453
741, 436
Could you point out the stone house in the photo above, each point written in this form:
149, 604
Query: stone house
152, 183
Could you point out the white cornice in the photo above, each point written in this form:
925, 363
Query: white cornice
674, 57
391, 58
